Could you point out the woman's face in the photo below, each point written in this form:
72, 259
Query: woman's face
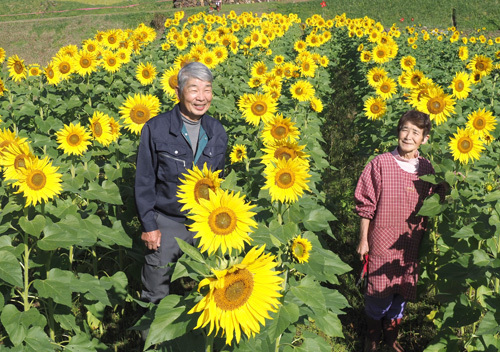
410, 137
195, 98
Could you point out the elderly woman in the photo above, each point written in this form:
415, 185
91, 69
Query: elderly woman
388, 197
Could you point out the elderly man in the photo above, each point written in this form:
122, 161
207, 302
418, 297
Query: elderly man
171, 143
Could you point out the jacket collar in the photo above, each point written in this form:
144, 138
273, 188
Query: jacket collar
176, 123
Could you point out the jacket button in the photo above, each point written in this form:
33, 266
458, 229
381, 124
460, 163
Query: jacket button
176, 152
210, 153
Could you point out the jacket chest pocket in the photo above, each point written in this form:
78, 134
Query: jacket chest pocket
213, 156
171, 161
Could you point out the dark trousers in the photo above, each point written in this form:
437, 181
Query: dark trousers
156, 274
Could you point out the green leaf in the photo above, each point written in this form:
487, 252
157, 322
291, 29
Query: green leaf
329, 323
287, 314
492, 196
113, 173
310, 293
58, 289
432, 206
313, 342
81, 343
317, 219
115, 235
189, 250
10, 270
465, 232
108, 192
169, 322
94, 288
12, 321
34, 226
37, 341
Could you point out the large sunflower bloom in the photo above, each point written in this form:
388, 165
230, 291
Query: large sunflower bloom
17, 68
284, 149
73, 139
375, 76
222, 222
481, 122
65, 65
381, 53
375, 108
86, 62
257, 107
137, 110
209, 59
145, 73
169, 81
279, 128
197, 184
481, 64
38, 181
461, 85
302, 90
300, 249
53, 76
110, 61
240, 297
101, 128
387, 88
238, 153
465, 145
437, 104
13, 158
287, 181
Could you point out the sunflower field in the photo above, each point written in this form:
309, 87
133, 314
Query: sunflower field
265, 274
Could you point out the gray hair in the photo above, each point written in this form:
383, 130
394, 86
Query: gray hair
193, 70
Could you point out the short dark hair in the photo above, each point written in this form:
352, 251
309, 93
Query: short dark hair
418, 118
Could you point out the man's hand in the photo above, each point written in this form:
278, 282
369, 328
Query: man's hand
152, 239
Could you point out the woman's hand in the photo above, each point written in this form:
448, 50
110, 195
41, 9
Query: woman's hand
363, 247
152, 239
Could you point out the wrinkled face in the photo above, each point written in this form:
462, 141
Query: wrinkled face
410, 137
195, 98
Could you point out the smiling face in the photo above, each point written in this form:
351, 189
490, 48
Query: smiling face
410, 137
195, 98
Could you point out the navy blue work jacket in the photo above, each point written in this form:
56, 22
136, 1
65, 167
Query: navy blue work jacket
164, 155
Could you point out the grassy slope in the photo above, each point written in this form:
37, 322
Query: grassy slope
37, 37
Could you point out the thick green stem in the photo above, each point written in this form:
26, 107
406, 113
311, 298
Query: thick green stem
94, 261
209, 342
26, 258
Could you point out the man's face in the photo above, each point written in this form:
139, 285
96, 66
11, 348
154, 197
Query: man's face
195, 98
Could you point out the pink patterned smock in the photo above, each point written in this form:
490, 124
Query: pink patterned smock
391, 197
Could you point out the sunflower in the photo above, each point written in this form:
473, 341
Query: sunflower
259, 69
240, 297
7, 137
257, 107
380, 53
375, 108
481, 122
417, 94
91, 45
300, 46
408, 62
300, 249
283, 149
481, 64
65, 65
375, 76
137, 110
169, 81
437, 104
112, 38
365, 56
465, 145
38, 181
239, 153
34, 70
223, 222
2, 87
110, 61
101, 128
279, 129
302, 90
415, 78
463, 53
13, 158
115, 129
124, 55
2, 55
287, 180
387, 88
145, 73
220, 53
308, 67
73, 139
209, 59
316, 104
17, 69
53, 76
461, 85
196, 185
86, 62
